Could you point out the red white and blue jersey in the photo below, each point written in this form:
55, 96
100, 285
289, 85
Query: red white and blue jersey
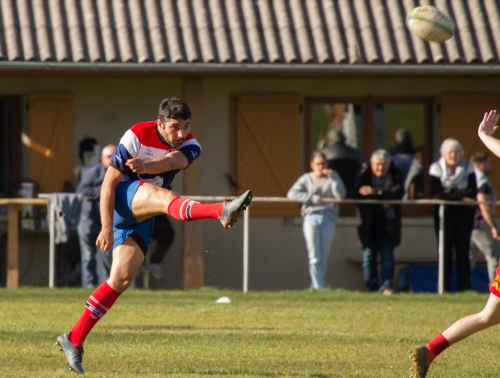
143, 141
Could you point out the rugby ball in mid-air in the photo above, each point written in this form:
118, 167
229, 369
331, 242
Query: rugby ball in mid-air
428, 23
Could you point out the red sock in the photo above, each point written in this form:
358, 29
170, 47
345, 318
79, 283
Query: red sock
96, 307
438, 345
188, 210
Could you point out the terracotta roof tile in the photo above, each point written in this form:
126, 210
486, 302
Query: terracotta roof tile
350, 30
27, 30
334, 31
242, 31
171, 30
270, 30
396, 20
11, 30
220, 31
155, 31
464, 31
383, 34
318, 31
492, 8
59, 30
481, 31
236, 31
90, 25
366, 31
301, 30
139, 31
187, 31
122, 27
75, 31
284, 30
252, 30
107, 31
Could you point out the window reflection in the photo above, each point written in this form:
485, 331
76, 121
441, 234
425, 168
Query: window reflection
336, 131
400, 129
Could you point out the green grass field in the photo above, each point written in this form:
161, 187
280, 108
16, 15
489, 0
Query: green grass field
297, 333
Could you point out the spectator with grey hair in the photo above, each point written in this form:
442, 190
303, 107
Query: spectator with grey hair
453, 179
319, 216
380, 228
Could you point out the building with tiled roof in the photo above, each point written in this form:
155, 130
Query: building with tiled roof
246, 35
267, 81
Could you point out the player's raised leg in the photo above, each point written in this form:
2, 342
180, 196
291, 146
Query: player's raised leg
151, 200
127, 259
423, 355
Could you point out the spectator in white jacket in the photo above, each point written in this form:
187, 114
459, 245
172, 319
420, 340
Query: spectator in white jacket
319, 216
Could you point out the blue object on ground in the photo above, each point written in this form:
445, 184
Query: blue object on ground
424, 279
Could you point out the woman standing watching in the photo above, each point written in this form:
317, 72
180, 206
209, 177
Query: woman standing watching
319, 216
453, 179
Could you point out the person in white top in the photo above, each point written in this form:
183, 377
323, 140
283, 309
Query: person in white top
319, 216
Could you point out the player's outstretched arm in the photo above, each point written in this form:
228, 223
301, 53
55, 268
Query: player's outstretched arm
486, 129
172, 161
112, 178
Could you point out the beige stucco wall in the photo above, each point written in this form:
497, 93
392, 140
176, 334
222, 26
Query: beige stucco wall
278, 258
106, 107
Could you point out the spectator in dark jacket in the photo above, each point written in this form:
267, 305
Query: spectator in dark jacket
453, 179
380, 228
90, 221
342, 158
402, 153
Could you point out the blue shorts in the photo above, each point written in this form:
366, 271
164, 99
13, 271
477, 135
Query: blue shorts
124, 223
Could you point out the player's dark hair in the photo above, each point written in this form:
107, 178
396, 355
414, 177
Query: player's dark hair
479, 158
173, 108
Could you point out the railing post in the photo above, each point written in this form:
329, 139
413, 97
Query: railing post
245, 249
52, 247
441, 250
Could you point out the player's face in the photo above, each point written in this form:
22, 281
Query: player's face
174, 131
452, 157
380, 167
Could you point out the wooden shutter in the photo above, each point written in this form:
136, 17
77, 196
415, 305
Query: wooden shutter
50, 140
266, 149
460, 118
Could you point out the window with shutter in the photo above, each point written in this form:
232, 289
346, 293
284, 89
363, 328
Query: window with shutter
349, 129
266, 149
50, 140
460, 118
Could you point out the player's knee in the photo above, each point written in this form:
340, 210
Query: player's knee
169, 195
489, 318
120, 284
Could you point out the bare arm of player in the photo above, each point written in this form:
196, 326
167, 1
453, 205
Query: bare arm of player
171, 161
486, 128
105, 240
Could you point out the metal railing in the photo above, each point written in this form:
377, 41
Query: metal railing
440, 203
246, 229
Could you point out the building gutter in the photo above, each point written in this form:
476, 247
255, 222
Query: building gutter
257, 68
